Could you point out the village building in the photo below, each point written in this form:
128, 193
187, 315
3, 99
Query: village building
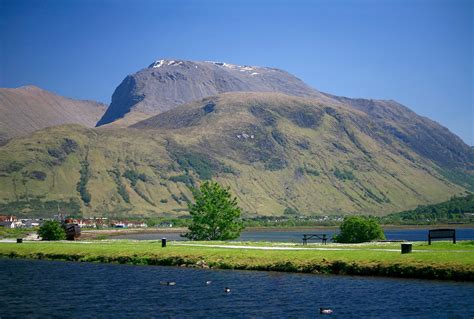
9, 221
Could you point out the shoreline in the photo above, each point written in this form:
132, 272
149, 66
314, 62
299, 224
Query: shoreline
439, 264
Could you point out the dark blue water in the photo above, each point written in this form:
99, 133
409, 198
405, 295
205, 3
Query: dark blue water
295, 236
44, 289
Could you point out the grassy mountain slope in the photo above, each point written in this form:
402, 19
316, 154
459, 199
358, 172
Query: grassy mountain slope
27, 109
274, 151
424, 136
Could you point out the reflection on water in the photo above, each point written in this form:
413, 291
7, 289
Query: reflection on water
39, 289
295, 236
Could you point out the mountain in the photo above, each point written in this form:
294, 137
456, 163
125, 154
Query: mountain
278, 153
165, 84
168, 83
280, 145
29, 108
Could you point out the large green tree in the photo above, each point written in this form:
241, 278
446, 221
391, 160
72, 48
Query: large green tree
52, 230
357, 229
215, 214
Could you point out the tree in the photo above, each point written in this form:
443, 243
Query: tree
215, 215
357, 229
52, 230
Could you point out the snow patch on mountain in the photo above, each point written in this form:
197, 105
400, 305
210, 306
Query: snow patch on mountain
160, 63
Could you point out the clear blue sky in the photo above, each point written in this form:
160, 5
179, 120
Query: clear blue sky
419, 53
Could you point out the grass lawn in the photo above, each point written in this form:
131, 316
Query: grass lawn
441, 260
16, 232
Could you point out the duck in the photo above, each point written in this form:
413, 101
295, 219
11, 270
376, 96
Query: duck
208, 282
325, 311
168, 283
226, 289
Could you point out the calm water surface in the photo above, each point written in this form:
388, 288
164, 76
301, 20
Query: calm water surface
296, 235
44, 289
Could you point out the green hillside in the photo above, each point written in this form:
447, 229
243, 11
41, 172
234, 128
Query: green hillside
274, 151
456, 209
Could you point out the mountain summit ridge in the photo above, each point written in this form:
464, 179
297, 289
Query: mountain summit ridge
165, 84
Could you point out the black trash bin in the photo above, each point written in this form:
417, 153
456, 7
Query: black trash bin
406, 248
163, 242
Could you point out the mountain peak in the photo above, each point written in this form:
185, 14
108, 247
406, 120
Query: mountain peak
29, 87
159, 63
241, 68
167, 83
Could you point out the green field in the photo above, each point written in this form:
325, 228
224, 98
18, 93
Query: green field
442, 260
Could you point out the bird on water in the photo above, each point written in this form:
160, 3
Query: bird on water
226, 289
168, 283
325, 311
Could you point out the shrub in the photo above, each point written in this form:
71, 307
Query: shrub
275, 163
357, 229
52, 230
115, 173
185, 179
134, 177
290, 211
81, 186
38, 175
343, 175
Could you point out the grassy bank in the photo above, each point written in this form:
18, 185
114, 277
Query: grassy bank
16, 232
441, 260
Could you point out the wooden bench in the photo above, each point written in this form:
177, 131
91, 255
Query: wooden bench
307, 237
441, 233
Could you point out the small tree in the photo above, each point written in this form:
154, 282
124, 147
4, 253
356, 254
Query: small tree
52, 230
357, 229
215, 215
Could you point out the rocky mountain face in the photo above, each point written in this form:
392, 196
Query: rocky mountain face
167, 83
280, 145
275, 152
27, 109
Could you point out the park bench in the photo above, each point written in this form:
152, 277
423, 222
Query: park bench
307, 237
441, 233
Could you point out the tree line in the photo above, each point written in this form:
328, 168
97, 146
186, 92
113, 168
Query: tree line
456, 209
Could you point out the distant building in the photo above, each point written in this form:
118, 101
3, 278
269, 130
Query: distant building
87, 223
165, 225
128, 224
9, 221
30, 223
8, 218
7, 224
